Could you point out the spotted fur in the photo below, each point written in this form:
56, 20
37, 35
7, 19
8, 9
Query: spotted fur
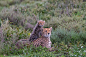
43, 41
37, 31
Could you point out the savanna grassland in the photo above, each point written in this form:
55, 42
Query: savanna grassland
66, 17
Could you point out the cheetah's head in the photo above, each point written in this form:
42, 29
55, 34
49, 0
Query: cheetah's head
41, 23
47, 32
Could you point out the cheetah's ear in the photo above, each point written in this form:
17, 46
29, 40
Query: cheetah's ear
51, 28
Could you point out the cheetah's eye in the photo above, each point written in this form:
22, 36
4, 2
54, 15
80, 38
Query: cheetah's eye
46, 31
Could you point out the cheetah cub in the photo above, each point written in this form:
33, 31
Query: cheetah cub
37, 31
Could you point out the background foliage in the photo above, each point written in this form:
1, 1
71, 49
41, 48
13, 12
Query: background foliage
67, 17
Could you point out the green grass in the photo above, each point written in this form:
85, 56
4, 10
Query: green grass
60, 50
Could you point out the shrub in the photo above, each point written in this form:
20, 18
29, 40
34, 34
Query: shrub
63, 35
17, 17
10, 37
13, 15
10, 2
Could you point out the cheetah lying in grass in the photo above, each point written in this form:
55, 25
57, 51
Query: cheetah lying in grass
43, 41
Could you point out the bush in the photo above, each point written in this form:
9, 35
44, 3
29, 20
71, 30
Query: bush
9, 36
17, 17
63, 35
13, 15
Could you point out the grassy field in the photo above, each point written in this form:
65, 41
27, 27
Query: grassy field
67, 18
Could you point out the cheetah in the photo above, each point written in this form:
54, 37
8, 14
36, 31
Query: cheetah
43, 41
37, 31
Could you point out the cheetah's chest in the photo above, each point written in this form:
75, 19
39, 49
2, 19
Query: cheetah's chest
48, 44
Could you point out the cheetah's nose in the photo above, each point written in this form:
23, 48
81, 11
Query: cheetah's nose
48, 33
